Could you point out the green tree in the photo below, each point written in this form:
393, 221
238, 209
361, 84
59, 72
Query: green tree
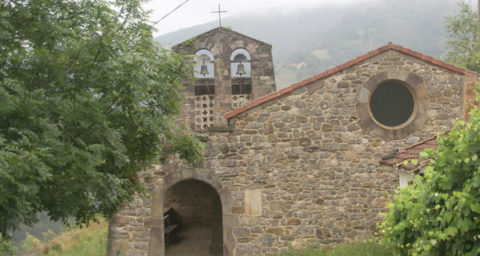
463, 34
439, 214
478, 18
86, 97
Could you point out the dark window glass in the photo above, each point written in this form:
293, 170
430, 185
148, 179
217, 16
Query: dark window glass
204, 89
241, 89
241, 86
391, 104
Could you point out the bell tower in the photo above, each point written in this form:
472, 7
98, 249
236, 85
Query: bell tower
230, 70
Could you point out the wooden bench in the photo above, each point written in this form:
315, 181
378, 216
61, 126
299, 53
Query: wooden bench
170, 226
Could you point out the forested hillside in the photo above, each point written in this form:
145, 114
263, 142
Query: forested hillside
308, 42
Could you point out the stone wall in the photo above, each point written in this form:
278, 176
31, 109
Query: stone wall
315, 157
302, 166
129, 229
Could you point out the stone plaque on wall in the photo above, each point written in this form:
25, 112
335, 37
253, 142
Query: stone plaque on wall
253, 202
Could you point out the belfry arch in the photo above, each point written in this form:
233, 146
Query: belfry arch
217, 219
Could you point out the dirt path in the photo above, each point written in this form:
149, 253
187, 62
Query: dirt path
193, 241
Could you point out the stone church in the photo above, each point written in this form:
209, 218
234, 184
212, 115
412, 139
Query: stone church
315, 161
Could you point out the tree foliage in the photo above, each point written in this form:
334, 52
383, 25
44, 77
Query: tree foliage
86, 95
6, 247
439, 214
463, 44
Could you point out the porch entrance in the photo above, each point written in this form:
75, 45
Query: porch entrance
193, 220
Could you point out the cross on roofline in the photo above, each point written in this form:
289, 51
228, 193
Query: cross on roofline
219, 13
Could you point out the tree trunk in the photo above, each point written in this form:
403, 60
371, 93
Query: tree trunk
478, 8
3, 233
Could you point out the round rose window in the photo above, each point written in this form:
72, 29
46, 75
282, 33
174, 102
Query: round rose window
391, 104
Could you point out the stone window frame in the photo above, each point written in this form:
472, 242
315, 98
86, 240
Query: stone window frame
209, 54
412, 115
416, 121
204, 85
247, 62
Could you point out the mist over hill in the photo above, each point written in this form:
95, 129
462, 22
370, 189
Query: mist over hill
311, 41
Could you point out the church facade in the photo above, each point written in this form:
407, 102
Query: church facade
291, 166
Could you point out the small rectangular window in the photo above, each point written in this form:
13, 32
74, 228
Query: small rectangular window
204, 89
241, 86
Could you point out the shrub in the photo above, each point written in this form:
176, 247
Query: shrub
440, 213
6, 247
368, 248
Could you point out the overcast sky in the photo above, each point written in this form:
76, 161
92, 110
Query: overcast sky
196, 12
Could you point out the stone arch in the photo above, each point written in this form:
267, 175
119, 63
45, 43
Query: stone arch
204, 57
241, 73
240, 56
156, 246
414, 83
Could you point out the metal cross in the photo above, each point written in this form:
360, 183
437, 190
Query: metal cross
219, 13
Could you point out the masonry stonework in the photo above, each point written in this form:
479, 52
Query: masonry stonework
302, 164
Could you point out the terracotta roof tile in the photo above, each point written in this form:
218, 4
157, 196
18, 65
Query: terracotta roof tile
411, 152
389, 46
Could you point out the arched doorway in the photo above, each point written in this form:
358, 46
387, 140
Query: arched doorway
196, 208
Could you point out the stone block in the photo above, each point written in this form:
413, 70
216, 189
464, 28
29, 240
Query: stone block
277, 205
253, 202
327, 127
315, 86
118, 247
241, 232
294, 222
276, 231
267, 239
363, 95
238, 210
120, 220
343, 84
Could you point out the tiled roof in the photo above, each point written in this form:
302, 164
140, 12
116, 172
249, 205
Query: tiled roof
387, 47
406, 154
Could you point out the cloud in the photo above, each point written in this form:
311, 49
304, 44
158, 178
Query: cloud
196, 12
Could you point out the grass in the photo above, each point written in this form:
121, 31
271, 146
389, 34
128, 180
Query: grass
91, 240
349, 249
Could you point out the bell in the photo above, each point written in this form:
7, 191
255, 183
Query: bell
240, 69
204, 70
